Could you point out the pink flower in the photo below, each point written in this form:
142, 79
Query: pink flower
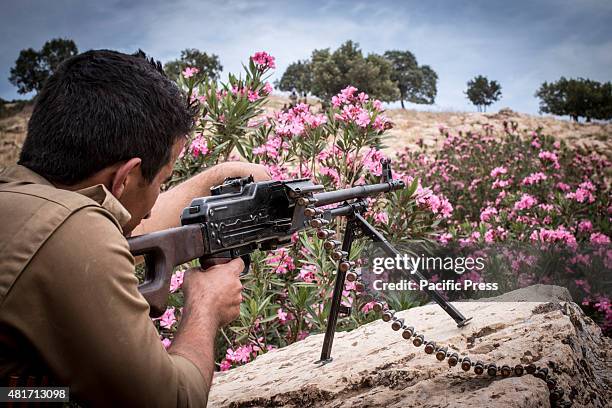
558, 235
302, 335
585, 226
381, 122
330, 172
587, 185
281, 258
445, 238
241, 355
363, 119
498, 171
603, 304
581, 195
527, 201
267, 89
282, 315
277, 172
563, 187
176, 281
253, 96
534, 178
581, 283
487, 213
347, 94
199, 146
598, 238
225, 365
166, 343
167, 319
372, 161
381, 217
438, 204
307, 273
189, 72
547, 156
297, 121
500, 183
264, 60
368, 306
547, 207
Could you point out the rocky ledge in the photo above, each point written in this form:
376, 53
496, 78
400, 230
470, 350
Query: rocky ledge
373, 366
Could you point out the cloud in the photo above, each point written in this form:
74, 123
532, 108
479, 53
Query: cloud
519, 44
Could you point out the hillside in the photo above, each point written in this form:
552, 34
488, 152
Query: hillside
12, 134
409, 127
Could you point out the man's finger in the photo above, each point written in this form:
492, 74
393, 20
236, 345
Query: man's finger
237, 265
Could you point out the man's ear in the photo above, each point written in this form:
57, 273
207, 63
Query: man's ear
121, 178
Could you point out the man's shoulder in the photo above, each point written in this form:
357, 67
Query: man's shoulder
37, 216
23, 195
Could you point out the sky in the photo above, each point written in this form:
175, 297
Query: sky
518, 43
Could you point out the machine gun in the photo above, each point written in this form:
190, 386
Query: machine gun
242, 216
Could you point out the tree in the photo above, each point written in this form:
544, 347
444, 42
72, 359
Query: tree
331, 72
576, 98
415, 84
32, 68
209, 65
482, 92
297, 76
55, 51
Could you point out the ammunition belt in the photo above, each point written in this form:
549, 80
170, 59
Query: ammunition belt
442, 352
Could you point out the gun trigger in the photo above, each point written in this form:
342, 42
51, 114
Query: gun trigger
247, 264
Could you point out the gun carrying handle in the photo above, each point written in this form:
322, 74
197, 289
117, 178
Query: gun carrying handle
163, 250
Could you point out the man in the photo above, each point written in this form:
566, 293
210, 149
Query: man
103, 137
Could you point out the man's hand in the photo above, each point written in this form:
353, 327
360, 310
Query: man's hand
212, 300
215, 291
167, 210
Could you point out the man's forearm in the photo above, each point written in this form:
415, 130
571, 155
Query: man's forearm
167, 210
195, 341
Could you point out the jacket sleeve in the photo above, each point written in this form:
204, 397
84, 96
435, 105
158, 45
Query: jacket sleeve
77, 303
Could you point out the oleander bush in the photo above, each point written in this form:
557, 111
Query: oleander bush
486, 187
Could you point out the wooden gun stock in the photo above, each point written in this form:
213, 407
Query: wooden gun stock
163, 250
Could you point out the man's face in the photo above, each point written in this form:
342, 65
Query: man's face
141, 196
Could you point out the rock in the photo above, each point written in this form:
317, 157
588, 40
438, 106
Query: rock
533, 293
373, 366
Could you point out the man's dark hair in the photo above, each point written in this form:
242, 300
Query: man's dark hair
103, 107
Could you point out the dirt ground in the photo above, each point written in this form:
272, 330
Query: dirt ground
13, 131
409, 127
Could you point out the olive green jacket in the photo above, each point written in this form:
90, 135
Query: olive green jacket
69, 304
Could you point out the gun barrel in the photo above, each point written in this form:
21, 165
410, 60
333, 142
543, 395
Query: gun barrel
367, 190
